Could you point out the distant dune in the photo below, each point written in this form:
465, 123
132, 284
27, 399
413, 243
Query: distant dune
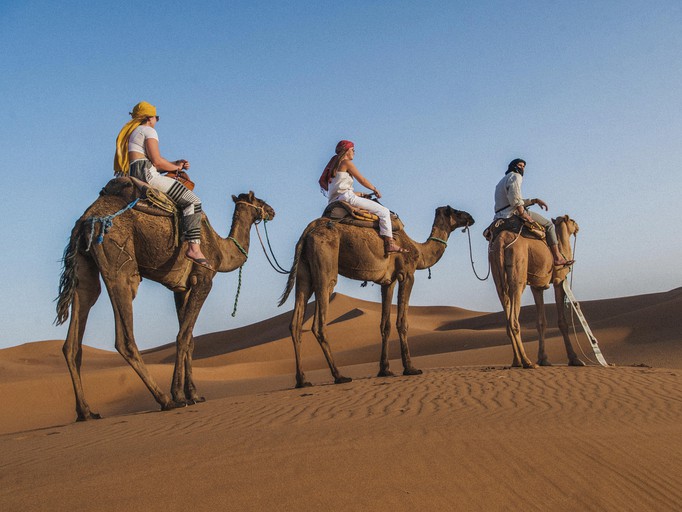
468, 434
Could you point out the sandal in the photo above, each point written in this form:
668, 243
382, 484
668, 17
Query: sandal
392, 248
202, 262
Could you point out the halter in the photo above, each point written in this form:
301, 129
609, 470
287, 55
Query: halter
262, 214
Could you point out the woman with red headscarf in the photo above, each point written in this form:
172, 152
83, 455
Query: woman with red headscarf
337, 182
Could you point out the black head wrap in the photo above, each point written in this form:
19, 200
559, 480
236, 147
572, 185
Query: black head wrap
512, 167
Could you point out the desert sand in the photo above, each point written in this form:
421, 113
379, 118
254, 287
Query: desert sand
469, 434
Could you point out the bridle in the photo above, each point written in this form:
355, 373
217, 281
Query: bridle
262, 214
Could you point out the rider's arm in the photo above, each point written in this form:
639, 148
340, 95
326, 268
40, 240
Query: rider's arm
152, 149
351, 169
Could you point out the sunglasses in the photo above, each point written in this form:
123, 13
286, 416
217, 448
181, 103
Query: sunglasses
157, 117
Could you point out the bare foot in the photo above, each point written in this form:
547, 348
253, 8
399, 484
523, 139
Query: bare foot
392, 247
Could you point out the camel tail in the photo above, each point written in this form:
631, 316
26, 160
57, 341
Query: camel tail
499, 270
69, 278
292, 273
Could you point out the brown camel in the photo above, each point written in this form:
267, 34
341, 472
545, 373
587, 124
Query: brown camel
328, 248
140, 244
516, 261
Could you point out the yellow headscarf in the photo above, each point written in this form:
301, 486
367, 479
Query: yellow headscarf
140, 112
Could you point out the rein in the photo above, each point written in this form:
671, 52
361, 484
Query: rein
471, 257
276, 266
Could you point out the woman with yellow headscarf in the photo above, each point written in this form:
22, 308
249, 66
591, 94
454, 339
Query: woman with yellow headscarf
138, 155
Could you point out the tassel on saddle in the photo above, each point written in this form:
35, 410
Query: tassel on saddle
517, 225
151, 201
345, 213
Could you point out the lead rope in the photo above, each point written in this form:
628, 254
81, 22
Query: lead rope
276, 266
239, 284
437, 240
575, 331
471, 257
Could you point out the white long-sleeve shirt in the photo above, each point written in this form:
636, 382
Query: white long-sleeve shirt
508, 195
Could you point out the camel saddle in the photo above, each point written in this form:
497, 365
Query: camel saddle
515, 224
129, 188
345, 213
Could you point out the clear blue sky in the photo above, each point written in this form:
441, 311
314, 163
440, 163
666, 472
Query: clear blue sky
438, 97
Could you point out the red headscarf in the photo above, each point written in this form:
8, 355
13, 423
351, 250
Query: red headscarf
326, 177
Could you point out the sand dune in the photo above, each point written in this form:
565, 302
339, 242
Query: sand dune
468, 434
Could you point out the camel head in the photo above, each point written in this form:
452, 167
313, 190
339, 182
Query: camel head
450, 219
265, 211
571, 225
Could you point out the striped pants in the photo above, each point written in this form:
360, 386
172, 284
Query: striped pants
183, 197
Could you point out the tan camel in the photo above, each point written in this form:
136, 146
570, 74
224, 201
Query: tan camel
516, 261
327, 248
140, 244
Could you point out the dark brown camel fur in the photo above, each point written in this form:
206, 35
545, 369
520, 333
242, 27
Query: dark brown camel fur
327, 249
140, 244
516, 261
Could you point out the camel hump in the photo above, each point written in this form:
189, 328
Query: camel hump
346, 213
516, 225
126, 187
130, 189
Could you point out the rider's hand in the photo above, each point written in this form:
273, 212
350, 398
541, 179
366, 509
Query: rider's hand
541, 204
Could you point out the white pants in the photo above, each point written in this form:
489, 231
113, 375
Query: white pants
384, 214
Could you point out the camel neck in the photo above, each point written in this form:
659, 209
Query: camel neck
232, 252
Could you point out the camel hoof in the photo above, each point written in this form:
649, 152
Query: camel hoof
529, 366
174, 405
304, 384
544, 362
385, 373
342, 380
196, 400
412, 371
576, 362
89, 416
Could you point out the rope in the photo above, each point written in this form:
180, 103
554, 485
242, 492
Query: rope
575, 331
276, 266
106, 222
471, 257
437, 240
239, 284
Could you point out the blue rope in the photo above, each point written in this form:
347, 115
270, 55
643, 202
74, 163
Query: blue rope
106, 223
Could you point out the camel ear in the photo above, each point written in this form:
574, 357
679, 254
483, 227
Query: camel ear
234, 198
251, 195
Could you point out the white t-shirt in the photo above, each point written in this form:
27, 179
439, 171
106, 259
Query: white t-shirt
139, 136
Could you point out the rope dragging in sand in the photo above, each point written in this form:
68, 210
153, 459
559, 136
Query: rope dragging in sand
576, 307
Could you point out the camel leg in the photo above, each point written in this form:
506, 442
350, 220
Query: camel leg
121, 296
386, 296
324, 269
404, 291
541, 325
182, 373
302, 295
320, 332
513, 311
183, 389
87, 292
560, 297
